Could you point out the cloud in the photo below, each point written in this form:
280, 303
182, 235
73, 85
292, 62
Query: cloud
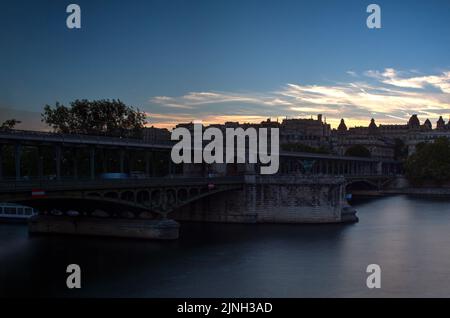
195, 99
388, 95
392, 77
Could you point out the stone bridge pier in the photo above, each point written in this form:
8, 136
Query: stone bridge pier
275, 199
151, 208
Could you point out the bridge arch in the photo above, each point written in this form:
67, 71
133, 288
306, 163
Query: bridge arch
171, 195
143, 196
361, 184
122, 197
127, 195
88, 206
193, 192
182, 194
111, 195
155, 197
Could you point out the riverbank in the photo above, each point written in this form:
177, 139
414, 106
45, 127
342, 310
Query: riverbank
420, 192
430, 192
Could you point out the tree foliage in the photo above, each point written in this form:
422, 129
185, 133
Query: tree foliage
358, 151
430, 162
400, 149
9, 124
97, 117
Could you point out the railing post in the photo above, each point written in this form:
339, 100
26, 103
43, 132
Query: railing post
147, 164
17, 159
75, 163
92, 162
170, 167
122, 159
58, 161
153, 166
379, 168
40, 163
104, 161
1, 162
130, 161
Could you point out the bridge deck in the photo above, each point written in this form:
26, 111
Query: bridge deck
48, 137
24, 185
78, 139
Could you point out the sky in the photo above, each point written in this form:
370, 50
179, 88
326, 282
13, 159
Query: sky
222, 60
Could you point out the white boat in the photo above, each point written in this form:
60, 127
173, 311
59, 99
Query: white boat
16, 211
73, 213
56, 212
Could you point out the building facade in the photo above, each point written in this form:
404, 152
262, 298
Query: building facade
380, 140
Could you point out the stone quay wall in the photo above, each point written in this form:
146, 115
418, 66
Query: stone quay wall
139, 229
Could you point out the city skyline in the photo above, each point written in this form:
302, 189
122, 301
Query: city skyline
233, 61
30, 123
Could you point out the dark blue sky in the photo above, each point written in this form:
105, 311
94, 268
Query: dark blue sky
229, 55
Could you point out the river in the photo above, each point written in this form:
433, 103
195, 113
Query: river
408, 237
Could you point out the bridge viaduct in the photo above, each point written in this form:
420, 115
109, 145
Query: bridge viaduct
41, 155
72, 170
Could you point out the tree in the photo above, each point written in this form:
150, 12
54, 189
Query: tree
97, 117
400, 149
430, 162
10, 124
358, 151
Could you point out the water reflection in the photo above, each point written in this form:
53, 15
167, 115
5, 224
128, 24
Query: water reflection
408, 237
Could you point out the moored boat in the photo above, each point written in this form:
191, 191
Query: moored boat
12, 211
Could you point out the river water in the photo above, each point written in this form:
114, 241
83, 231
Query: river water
408, 237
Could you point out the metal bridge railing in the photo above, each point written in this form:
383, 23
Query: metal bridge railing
11, 185
24, 135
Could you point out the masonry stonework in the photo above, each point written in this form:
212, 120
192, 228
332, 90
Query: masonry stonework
274, 199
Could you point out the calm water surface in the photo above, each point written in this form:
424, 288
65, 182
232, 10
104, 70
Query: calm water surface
408, 237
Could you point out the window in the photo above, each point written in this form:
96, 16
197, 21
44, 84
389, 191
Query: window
10, 211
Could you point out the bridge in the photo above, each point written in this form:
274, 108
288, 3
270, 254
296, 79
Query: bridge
60, 155
83, 165
26, 155
130, 198
114, 178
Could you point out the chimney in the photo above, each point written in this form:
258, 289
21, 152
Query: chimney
319, 117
